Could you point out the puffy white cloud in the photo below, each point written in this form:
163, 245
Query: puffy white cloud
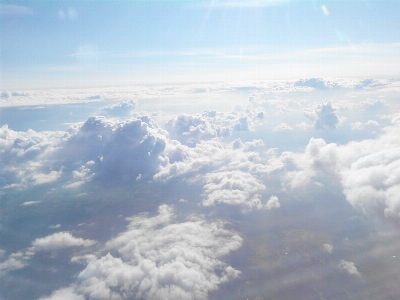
324, 116
100, 149
282, 127
303, 126
190, 130
56, 241
213, 155
316, 83
60, 240
119, 109
318, 158
232, 187
25, 157
114, 150
349, 267
157, 258
361, 126
64, 294
273, 202
368, 170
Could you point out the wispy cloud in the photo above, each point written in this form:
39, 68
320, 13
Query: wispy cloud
12, 9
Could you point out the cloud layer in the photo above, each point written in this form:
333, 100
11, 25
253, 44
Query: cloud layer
157, 258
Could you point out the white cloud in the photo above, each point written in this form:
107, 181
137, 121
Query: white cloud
324, 116
282, 127
361, 126
328, 248
157, 258
325, 10
56, 241
303, 126
118, 109
273, 202
190, 130
234, 188
54, 226
367, 170
114, 150
349, 267
64, 294
60, 240
30, 203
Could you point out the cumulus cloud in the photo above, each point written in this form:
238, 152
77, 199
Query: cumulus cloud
273, 202
361, 126
60, 240
282, 127
324, 116
349, 267
303, 126
56, 241
234, 188
25, 157
190, 130
157, 258
119, 109
368, 170
113, 150
64, 294
316, 83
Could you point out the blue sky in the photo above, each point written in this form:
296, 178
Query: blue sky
105, 43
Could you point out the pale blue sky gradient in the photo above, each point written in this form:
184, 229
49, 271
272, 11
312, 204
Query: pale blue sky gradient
106, 43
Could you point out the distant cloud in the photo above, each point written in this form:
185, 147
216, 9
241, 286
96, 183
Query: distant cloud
118, 109
349, 267
56, 241
273, 202
325, 10
328, 248
303, 126
4, 95
234, 188
69, 13
13, 9
316, 83
54, 226
190, 130
60, 240
282, 127
366, 170
361, 126
324, 116
30, 203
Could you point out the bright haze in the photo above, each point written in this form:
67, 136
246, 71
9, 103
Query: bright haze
199, 149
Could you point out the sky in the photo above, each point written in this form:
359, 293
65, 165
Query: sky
102, 43
199, 150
